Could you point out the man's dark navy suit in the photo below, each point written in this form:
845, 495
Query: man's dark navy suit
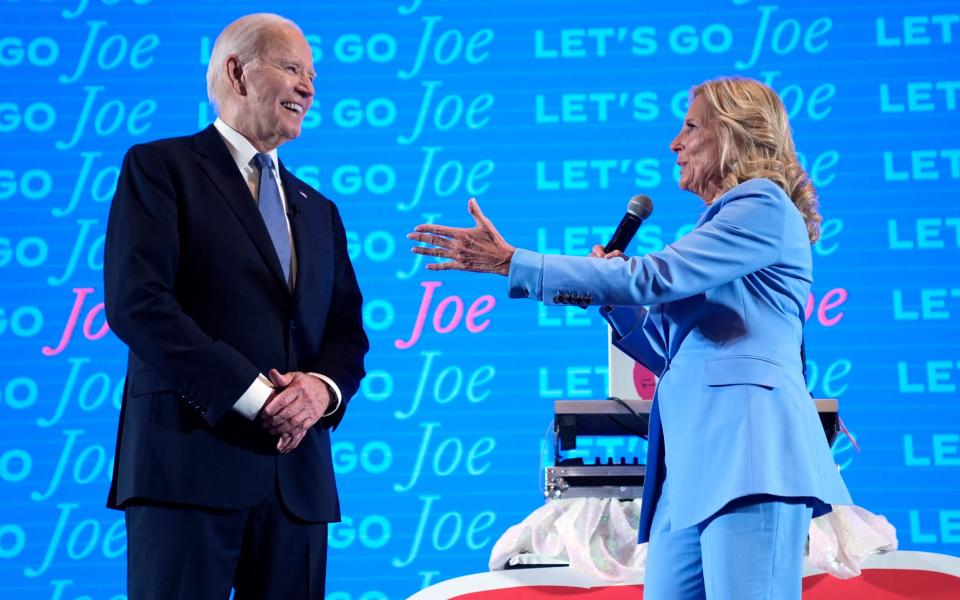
193, 286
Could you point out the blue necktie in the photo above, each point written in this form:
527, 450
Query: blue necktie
271, 209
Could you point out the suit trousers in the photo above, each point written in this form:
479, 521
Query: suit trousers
195, 553
750, 549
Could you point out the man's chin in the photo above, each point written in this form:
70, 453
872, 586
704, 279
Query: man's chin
288, 134
293, 132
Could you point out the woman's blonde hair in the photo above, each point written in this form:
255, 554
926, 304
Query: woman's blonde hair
754, 136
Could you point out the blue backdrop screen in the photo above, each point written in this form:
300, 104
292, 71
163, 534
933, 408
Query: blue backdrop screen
553, 114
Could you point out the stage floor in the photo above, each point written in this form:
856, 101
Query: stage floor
893, 576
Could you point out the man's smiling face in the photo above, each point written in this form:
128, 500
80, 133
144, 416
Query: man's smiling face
279, 90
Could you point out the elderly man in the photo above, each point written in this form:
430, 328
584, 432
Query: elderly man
229, 280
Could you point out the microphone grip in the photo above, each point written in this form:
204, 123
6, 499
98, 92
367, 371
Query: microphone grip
625, 231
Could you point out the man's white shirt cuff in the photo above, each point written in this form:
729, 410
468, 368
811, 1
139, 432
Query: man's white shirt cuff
254, 398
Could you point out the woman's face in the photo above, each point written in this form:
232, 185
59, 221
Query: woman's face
698, 152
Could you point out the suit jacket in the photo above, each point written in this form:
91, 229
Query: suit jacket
194, 287
731, 416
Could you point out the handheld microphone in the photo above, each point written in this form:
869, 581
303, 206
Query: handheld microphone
638, 209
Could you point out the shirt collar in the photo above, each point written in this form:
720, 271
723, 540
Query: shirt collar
240, 147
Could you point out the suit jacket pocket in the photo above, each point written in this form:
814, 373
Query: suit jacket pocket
742, 370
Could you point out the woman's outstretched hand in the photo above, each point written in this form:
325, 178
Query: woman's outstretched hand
480, 249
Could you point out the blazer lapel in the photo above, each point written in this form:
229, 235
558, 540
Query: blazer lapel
302, 243
215, 160
707, 214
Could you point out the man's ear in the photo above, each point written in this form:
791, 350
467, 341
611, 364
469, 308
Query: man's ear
235, 75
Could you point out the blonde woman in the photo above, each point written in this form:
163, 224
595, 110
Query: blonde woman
738, 462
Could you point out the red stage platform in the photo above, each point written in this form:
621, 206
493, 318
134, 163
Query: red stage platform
893, 576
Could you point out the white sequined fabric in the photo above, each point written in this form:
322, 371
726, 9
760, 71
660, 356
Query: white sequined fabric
598, 537
841, 540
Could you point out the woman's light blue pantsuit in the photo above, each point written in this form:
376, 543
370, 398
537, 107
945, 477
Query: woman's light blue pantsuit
718, 314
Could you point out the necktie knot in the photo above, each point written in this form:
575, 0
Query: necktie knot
263, 160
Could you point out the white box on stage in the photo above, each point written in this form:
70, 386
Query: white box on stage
628, 379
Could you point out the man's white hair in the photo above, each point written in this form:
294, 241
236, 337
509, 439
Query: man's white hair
247, 37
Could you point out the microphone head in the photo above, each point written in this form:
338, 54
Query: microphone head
640, 206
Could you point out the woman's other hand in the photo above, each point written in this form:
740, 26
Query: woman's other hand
597, 252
